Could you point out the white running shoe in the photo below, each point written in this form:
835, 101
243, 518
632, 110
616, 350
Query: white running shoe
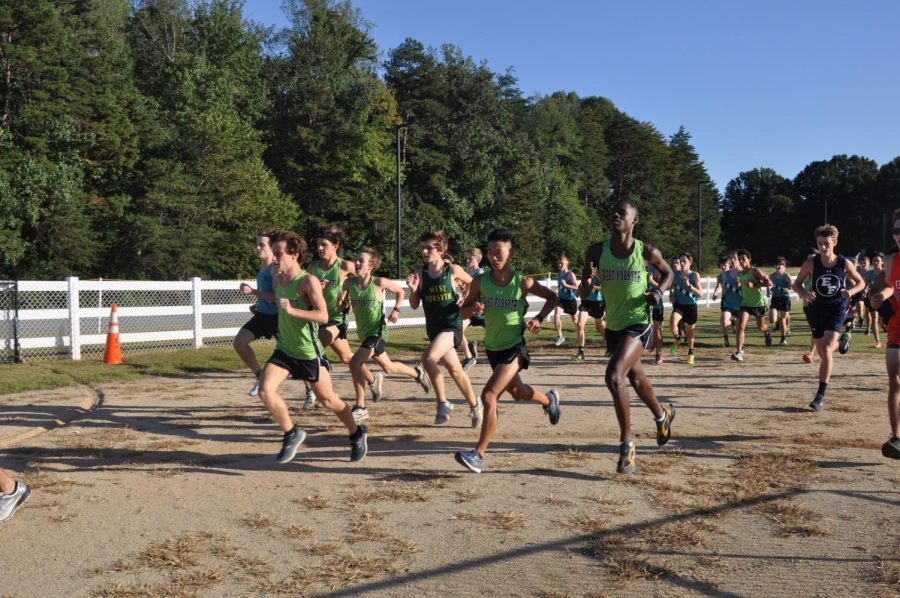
255, 390
310, 401
559, 340
9, 503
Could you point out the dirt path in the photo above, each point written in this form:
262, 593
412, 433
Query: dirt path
170, 487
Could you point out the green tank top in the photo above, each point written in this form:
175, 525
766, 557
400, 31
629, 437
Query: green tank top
439, 302
504, 312
368, 310
624, 282
332, 278
751, 297
296, 338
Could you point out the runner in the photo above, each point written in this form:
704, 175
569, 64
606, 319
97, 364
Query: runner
264, 323
730, 304
872, 315
365, 294
684, 307
828, 302
470, 348
857, 302
332, 270
781, 298
657, 313
434, 285
619, 264
13, 495
298, 353
500, 294
884, 290
592, 307
566, 287
751, 281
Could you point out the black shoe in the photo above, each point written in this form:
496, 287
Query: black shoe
359, 445
817, 403
891, 448
844, 343
768, 339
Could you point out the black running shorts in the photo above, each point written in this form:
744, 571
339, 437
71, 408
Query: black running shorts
570, 306
658, 312
642, 332
341, 326
821, 323
755, 312
688, 312
299, 369
505, 356
262, 325
594, 309
782, 304
374, 342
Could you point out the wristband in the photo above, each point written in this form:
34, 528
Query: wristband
659, 295
396, 309
539, 318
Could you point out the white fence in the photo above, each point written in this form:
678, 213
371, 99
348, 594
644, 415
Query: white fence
68, 319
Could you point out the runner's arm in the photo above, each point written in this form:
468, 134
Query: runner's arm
533, 287
470, 306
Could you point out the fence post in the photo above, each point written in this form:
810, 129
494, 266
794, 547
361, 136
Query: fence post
74, 320
197, 298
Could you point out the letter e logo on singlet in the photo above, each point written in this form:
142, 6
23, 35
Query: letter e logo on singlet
827, 285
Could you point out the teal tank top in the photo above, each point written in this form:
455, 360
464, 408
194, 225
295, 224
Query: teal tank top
265, 284
683, 294
562, 292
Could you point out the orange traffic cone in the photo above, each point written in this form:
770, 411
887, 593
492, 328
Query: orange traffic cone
113, 353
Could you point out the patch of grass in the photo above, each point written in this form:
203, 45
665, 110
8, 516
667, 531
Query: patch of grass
363, 528
507, 521
466, 496
792, 519
177, 553
257, 521
382, 492
296, 531
247, 568
56, 374
403, 546
756, 475
49, 483
433, 481
323, 548
680, 534
586, 524
888, 573
624, 569
314, 503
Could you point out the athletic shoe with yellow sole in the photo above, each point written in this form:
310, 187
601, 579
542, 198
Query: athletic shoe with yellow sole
664, 427
626, 458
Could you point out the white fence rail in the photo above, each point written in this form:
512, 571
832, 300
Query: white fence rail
68, 319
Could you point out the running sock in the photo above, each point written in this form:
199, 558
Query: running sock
822, 387
690, 351
289, 432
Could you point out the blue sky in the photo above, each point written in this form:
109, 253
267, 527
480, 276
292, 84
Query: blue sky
757, 84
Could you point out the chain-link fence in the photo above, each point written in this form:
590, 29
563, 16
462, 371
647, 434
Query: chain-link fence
42, 320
